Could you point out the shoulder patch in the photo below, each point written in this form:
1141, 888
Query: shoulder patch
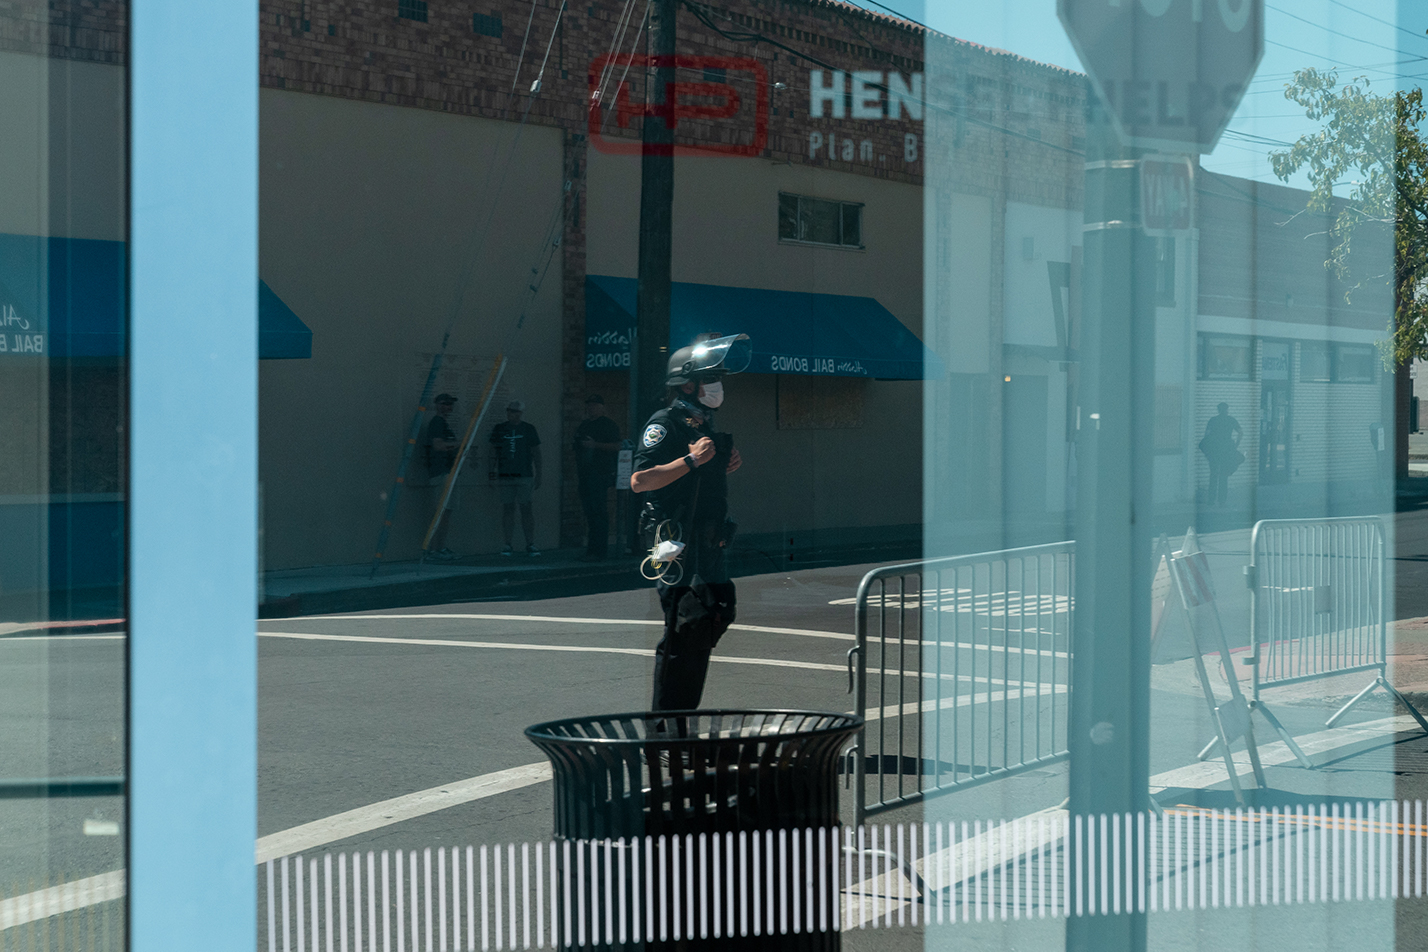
654, 433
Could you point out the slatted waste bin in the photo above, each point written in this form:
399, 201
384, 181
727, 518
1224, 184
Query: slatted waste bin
699, 829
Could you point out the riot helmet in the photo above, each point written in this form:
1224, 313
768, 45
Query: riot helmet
709, 359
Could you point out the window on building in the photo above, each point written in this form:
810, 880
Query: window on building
1223, 357
487, 25
820, 221
1314, 361
412, 10
1165, 272
715, 74
1355, 363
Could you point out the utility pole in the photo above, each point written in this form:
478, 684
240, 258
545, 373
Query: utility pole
650, 348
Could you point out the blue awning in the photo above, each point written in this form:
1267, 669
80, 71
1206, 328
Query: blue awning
792, 332
77, 308
281, 334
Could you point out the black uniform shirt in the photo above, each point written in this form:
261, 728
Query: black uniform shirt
593, 463
667, 437
438, 462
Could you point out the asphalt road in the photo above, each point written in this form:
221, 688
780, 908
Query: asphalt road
347, 723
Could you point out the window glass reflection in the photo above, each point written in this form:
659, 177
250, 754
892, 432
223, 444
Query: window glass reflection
1090, 454
63, 474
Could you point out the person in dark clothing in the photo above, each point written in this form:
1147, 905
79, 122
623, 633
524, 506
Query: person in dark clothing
516, 469
439, 446
682, 463
597, 441
1221, 446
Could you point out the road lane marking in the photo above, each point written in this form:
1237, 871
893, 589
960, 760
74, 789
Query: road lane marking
572, 620
762, 629
6, 639
341, 826
57, 900
642, 652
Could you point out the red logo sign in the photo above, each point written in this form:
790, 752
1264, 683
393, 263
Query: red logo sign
715, 108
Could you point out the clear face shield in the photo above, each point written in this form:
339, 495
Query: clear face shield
728, 355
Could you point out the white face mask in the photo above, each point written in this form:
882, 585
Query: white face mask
712, 395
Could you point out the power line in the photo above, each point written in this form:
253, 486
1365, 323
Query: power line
1391, 49
1340, 3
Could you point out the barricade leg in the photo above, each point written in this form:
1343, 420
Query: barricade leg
1356, 699
1380, 682
1284, 735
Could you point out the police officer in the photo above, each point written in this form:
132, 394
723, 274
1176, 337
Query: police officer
682, 464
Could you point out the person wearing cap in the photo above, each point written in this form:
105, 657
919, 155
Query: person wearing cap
597, 441
516, 469
682, 464
439, 447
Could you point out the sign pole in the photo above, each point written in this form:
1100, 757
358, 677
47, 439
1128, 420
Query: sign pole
1164, 77
1109, 732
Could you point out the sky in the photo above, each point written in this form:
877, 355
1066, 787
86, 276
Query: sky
1381, 39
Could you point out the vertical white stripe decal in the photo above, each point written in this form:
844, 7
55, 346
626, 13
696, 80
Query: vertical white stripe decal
327, 896
272, 910
455, 898
771, 869
313, 918
298, 900
746, 872
415, 908
1115, 864
441, 913
703, 886
372, 896
943, 896
471, 898
486, 895
663, 882
783, 882
342, 900
1141, 855
901, 878
823, 836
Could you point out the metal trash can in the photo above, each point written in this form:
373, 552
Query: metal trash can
699, 829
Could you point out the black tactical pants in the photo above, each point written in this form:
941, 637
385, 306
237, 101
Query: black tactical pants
696, 615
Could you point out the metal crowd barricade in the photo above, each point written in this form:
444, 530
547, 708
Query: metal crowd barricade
962, 671
1318, 594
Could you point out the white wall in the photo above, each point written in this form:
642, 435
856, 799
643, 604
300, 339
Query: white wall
726, 233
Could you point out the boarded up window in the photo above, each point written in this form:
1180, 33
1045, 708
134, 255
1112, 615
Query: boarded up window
807, 402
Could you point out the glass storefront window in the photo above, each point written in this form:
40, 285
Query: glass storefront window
1084, 482
63, 464
641, 568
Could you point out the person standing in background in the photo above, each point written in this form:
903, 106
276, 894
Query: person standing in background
516, 470
439, 446
1221, 446
597, 442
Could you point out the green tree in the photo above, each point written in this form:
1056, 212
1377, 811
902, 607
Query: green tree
1373, 144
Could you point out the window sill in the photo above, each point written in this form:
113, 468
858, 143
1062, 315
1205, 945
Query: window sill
821, 244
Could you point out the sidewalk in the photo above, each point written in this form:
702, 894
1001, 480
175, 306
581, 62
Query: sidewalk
349, 588
555, 573
1407, 672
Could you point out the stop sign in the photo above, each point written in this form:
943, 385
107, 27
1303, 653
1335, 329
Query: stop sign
1170, 73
